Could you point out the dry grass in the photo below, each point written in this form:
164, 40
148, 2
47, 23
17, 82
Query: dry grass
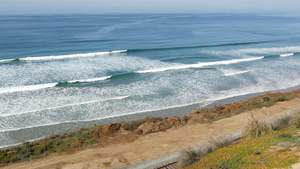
295, 121
256, 127
281, 122
191, 155
221, 142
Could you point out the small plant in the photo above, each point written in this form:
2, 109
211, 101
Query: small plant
191, 156
257, 127
221, 142
295, 121
281, 122
297, 142
281, 99
266, 98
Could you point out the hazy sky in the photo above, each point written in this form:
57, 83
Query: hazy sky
145, 6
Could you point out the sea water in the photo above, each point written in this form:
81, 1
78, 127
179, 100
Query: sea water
60, 73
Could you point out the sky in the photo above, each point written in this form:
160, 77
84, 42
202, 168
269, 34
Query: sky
147, 6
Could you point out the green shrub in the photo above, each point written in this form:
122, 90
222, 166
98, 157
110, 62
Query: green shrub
266, 98
281, 99
257, 127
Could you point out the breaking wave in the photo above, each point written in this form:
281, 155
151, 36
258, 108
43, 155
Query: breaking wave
200, 64
26, 88
48, 85
236, 73
287, 54
59, 57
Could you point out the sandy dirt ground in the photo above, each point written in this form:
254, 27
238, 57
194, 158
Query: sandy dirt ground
151, 146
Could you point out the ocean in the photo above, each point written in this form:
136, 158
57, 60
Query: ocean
60, 73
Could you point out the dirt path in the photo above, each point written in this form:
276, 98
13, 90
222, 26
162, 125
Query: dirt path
151, 146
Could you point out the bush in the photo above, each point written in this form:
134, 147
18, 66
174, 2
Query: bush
281, 122
221, 142
295, 121
257, 127
281, 99
191, 156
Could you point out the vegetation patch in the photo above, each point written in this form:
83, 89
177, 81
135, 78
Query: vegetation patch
257, 127
253, 153
228, 110
133, 125
54, 143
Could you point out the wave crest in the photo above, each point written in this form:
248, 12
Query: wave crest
48, 85
200, 64
59, 57
286, 55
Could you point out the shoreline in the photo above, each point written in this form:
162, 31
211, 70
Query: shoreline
162, 113
126, 148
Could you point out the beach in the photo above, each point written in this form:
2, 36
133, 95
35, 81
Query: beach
125, 148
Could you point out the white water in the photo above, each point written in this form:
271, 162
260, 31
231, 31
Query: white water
236, 73
200, 64
286, 55
59, 57
44, 86
90, 80
26, 88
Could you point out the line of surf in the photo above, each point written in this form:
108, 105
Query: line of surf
90, 80
26, 88
200, 64
48, 85
59, 57
236, 73
286, 55
67, 105
7, 60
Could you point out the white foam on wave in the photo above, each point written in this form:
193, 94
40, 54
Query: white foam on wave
236, 73
67, 105
201, 64
79, 55
286, 55
26, 88
6, 60
43, 86
90, 80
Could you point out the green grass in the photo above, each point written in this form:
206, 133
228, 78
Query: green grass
253, 153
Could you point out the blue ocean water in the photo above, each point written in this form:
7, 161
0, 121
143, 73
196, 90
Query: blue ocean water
63, 72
